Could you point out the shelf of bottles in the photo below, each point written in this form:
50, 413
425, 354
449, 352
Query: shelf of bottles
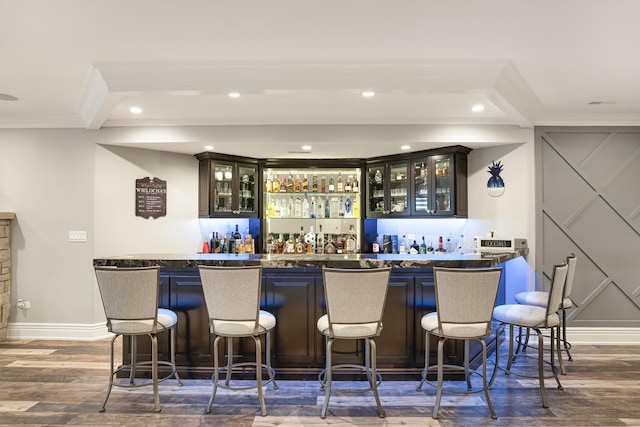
225, 186
312, 211
396, 184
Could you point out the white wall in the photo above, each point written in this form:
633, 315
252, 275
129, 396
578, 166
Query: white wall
58, 181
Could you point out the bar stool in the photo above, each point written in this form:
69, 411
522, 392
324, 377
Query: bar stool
355, 302
536, 318
130, 301
539, 298
232, 297
465, 299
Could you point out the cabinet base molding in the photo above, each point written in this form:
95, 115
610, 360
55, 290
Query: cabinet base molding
58, 331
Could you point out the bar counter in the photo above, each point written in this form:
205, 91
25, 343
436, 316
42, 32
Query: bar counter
292, 289
455, 260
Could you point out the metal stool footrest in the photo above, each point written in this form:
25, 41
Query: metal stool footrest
349, 368
425, 372
224, 380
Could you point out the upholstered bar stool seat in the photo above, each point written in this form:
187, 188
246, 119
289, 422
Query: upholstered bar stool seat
534, 318
464, 305
232, 297
130, 300
355, 302
540, 299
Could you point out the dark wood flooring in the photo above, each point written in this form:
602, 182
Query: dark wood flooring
63, 383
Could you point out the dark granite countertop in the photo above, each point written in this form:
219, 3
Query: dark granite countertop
488, 259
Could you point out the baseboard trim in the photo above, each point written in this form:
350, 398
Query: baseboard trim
603, 336
57, 331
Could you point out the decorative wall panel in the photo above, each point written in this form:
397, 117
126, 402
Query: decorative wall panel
588, 203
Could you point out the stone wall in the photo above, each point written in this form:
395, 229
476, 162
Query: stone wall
5, 271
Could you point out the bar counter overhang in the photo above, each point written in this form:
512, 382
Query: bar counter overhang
292, 289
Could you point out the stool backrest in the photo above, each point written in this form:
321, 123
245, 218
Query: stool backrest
232, 293
129, 294
466, 296
556, 291
571, 262
355, 296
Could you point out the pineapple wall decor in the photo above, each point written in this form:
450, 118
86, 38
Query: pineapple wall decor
495, 185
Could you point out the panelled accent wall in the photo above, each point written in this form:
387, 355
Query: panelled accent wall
588, 203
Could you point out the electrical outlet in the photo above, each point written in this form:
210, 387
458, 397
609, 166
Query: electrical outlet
24, 304
78, 236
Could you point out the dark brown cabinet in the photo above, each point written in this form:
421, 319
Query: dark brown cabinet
228, 186
387, 189
427, 183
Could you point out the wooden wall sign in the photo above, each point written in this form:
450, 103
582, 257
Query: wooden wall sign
151, 197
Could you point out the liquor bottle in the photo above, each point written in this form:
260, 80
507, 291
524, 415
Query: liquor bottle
313, 209
271, 209
314, 183
329, 248
297, 208
205, 246
320, 208
223, 246
356, 207
320, 241
215, 243
347, 185
430, 248
310, 240
275, 185
340, 184
332, 187
268, 185
341, 208
249, 243
348, 208
297, 186
440, 245
323, 185
327, 208
461, 244
238, 239
352, 243
449, 245
423, 246
339, 244
305, 207
402, 249
280, 244
283, 185
305, 184
290, 245
375, 246
355, 185
415, 249
300, 244
290, 184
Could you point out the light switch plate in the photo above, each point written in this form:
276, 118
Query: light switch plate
77, 236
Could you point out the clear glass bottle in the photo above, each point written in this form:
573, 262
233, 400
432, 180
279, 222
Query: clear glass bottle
306, 213
351, 242
423, 246
297, 208
355, 185
320, 241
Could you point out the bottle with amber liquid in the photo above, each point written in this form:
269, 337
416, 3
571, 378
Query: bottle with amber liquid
340, 184
323, 185
329, 248
305, 184
351, 242
290, 184
275, 185
300, 244
297, 186
314, 183
332, 186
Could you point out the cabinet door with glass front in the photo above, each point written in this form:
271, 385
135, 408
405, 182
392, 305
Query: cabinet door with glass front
387, 189
233, 189
433, 186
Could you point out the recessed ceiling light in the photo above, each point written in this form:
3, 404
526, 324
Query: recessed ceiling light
477, 108
306, 147
208, 147
368, 93
135, 110
405, 147
7, 97
234, 95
